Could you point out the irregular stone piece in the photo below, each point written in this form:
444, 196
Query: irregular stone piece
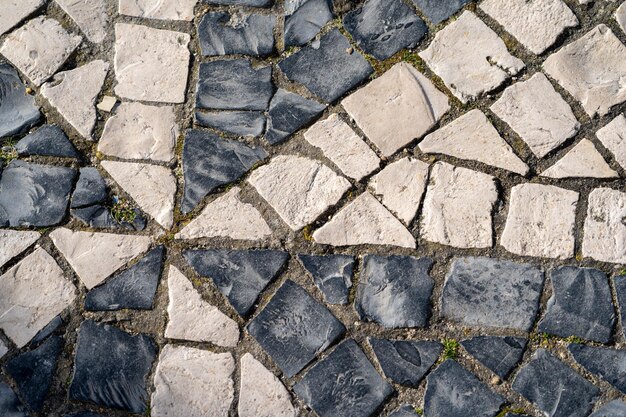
604, 362
252, 3
492, 293
620, 16
91, 16
563, 392
439, 10
111, 367
151, 64
95, 256
342, 69
288, 112
39, 48
90, 188
383, 27
592, 69
472, 137
73, 93
14, 11
343, 147
210, 375
49, 328
406, 362
458, 207
133, 288
261, 394
210, 162
159, 9
405, 410
10, 405
332, 274
48, 140
604, 237
615, 408
13, 242
240, 275
3, 349
540, 221
613, 137
153, 131
294, 328
470, 58
582, 161
298, 189
221, 33
499, 354
106, 104
241, 123
18, 110
396, 108
303, 23
364, 222
358, 393
537, 113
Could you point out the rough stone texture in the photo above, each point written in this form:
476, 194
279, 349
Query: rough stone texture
48, 140
18, 110
472, 137
222, 33
406, 362
159, 9
343, 147
90, 188
537, 113
288, 112
95, 256
396, 108
298, 189
342, 70
563, 392
470, 58
332, 274
294, 328
153, 131
439, 10
91, 16
10, 405
542, 23
458, 207
615, 408
493, 293
240, 123
73, 93
604, 237
13, 242
14, 11
358, 393
39, 48
303, 23
592, 69
613, 137
364, 221
604, 362
540, 221
151, 64
261, 394
499, 354
620, 16
581, 161
405, 410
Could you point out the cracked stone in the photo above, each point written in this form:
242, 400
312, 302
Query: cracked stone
159, 9
405, 410
18, 110
14, 11
439, 10
48, 140
613, 137
604, 362
91, 16
222, 33
581, 161
303, 23
10, 405
604, 234
406, 362
332, 274
499, 354
288, 113
90, 188
13, 242
615, 408
240, 123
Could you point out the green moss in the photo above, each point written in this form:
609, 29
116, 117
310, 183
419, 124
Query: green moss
419, 411
8, 151
122, 211
507, 410
574, 339
306, 233
544, 340
450, 348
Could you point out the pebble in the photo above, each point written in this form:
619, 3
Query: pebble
106, 104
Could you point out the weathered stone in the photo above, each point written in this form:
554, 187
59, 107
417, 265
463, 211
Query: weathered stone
48, 140
364, 221
406, 362
210, 374
499, 354
405, 410
95, 256
540, 221
592, 69
151, 64
100, 217
3, 349
604, 237
613, 137
458, 207
492, 293
358, 393
159, 9
439, 10
615, 408
343, 147
73, 93
469, 137
252, 3
294, 328
563, 392
396, 108
298, 188
18, 110
13, 242
91, 16
288, 112
10, 405
153, 131
582, 161
39, 48
14, 11
48, 329
332, 274
604, 362
470, 58
303, 23
537, 113
90, 188
620, 16
221, 33
240, 275
342, 68
241, 123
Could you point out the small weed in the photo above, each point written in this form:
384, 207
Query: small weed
122, 211
196, 282
574, 339
306, 234
507, 410
579, 257
8, 151
544, 340
419, 411
450, 349
622, 272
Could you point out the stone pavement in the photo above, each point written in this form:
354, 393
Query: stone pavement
333, 208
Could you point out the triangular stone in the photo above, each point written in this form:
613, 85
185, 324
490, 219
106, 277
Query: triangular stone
192, 318
605, 362
289, 112
48, 140
583, 160
499, 354
95, 256
153, 187
261, 392
13, 242
332, 274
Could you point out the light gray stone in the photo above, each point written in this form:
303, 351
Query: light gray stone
91, 16
3, 349
620, 16
14, 11
106, 104
604, 237
582, 161
613, 137
158, 9
14, 242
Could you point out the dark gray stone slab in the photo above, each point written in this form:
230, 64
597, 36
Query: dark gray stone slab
304, 22
405, 410
289, 113
394, 291
406, 362
452, 391
332, 274
234, 85
111, 367
86, 414
90, 188
344, 384
10, 405
99, 217
18, 110
50, 328
580, 305
620, 291
615, 408
48, 140
329, 69
253, 3
34, 370
499, 354
221, 33
383, 27
241, 275
495, 293
608, 364
133, 288
294, 328
439, 10
34, 195
241, 123
554, 387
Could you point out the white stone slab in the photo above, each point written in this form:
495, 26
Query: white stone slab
14, 242
620, 16
91, 16
604, 237
613, 137
582, 161
159, 9
13, 12
3, 349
